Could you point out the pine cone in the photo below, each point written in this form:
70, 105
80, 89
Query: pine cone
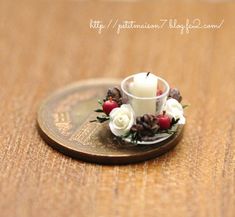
175, 94
116, 95
146, 126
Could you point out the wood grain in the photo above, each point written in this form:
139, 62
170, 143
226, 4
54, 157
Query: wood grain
45, 45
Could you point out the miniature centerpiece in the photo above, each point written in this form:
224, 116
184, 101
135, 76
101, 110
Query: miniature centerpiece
143, 110
138, 118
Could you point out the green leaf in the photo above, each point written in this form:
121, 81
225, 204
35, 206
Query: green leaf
99, 110
185, 106
102, 119
174, 121
126, 135
100, 102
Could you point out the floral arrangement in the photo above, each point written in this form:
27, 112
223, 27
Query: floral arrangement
124, 123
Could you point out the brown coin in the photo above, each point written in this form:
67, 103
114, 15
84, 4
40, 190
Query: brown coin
64, 123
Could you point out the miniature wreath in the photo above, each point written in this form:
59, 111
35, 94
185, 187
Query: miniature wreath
124, 123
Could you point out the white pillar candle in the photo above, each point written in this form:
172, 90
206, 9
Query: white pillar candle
144, 85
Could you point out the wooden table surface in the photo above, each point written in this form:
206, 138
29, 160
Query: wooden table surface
45, 45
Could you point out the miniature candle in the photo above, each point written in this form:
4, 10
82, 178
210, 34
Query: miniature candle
144, 85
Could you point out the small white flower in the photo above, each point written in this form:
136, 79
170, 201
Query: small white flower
121, 120
175, 110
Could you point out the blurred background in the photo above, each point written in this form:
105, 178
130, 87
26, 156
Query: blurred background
45, 45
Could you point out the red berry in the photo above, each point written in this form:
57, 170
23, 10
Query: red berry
164, 121
159, 92
109, 105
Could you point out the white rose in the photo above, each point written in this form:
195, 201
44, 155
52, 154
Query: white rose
175, 110
121, 120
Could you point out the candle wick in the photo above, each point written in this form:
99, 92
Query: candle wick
147, 74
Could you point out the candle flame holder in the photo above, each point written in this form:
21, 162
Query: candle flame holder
144, 105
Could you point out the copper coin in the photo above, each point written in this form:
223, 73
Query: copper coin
64, 123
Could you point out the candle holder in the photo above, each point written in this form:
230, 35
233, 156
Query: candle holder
145, 105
